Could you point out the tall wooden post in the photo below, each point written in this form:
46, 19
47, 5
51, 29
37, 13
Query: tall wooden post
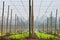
32, 18
21, 25
56, 22
7, 21
29, 18
43, 27
11, 22
15, 22
2, 19
47, 24
51, 22
59, 24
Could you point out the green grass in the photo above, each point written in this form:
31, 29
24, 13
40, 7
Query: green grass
5, 34
2, 34
12, 33
19, 36
26, 34
43, 35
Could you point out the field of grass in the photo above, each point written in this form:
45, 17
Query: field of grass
19, 36
2, 34
26, 34
40, 35
43, 35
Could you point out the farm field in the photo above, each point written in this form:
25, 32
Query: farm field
25, 36
29, 20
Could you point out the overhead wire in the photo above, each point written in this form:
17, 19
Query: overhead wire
24, 7
47, 9
39, 11
15, 6
40, 6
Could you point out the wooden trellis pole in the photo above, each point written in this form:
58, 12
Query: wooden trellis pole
15, 23
29, 18
7, 21
11, 22
59, 24
51, 22
2, 19
43, 27
32, 17
47, 24
18, 24
21, 25
56, 22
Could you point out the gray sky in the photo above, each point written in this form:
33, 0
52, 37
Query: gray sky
40, 6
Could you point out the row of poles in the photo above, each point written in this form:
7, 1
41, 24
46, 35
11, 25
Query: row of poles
16, 21
31, 20
51, 26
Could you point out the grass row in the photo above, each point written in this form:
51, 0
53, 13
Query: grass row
19, 36
26, 34
43, 35
2, 34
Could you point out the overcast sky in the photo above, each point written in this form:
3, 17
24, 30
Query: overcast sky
40, 7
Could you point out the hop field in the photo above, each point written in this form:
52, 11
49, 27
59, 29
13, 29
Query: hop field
39, 35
